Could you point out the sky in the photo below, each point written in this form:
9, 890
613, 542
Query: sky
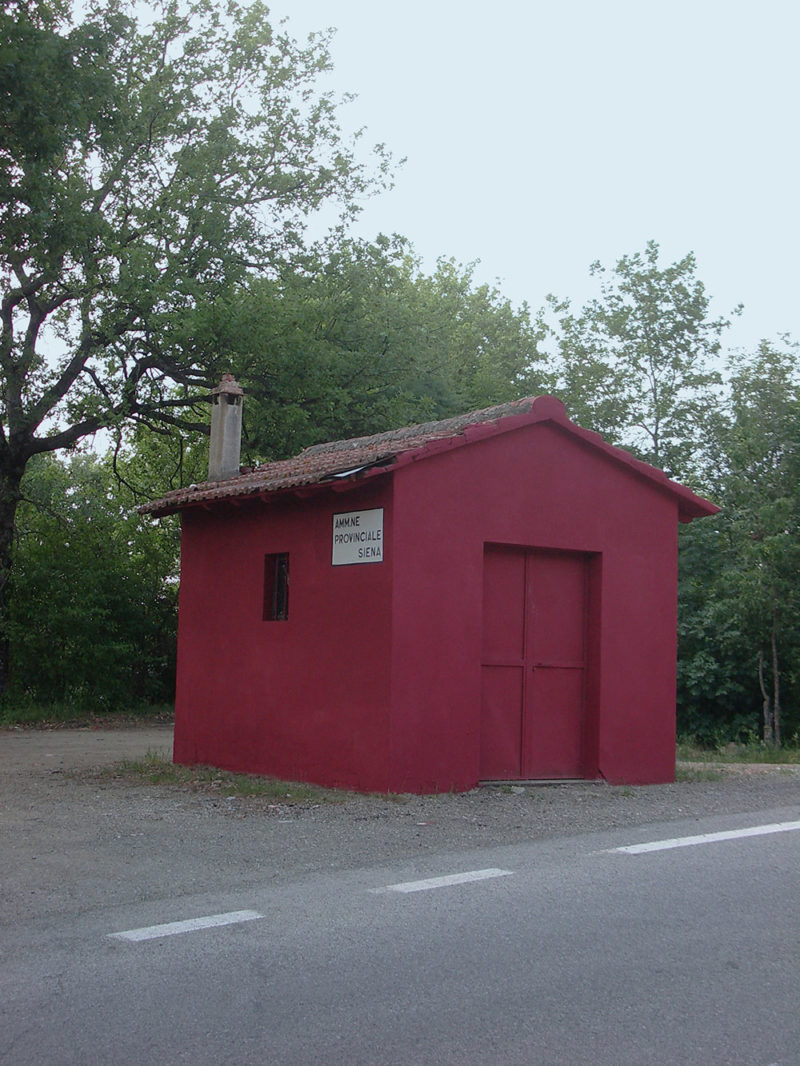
542, 136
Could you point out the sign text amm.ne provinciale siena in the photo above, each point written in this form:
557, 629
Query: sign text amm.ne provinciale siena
358, 537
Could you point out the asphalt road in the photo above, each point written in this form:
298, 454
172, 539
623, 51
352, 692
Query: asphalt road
566, 952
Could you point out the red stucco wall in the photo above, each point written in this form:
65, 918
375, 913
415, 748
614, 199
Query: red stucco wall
374, 681
538, 488
306, 698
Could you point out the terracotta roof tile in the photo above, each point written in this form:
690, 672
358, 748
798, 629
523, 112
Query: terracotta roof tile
322, 462
362, 457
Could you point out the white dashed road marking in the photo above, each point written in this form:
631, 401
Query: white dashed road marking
445, 881
150, 932
708, 838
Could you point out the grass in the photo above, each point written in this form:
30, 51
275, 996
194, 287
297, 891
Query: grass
687, 774
69, 715
155, 769
752, 752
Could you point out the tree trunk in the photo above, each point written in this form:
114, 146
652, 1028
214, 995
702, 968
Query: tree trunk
10, 495
776, 685
766, 706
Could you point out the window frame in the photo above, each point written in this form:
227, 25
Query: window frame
275, 607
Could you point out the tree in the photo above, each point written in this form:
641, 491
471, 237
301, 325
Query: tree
93, 611
716, 690
743, 626
637, 362
362, 339
761, 496
146, 171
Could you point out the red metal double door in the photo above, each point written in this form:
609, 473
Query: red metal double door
533, 664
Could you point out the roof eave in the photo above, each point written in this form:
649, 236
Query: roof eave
206, 501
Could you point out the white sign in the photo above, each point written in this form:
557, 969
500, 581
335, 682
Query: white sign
358, 537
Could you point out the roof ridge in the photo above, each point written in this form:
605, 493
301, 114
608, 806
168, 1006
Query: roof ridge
444, 427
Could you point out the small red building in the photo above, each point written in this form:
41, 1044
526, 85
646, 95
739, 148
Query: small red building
490, 597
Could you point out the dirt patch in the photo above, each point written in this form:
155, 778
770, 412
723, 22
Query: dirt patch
48, 751
31, 760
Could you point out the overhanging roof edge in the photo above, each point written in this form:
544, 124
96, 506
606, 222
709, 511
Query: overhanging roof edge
349, 474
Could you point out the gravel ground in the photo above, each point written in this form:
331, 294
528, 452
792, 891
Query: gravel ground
73, 835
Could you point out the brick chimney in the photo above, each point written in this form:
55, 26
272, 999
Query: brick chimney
226, 429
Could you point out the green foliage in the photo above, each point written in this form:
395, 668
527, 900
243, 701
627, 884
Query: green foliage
361, 340
636, 362
739, 637
25, 710
151, 162
150, 169
92, 620
717, 687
